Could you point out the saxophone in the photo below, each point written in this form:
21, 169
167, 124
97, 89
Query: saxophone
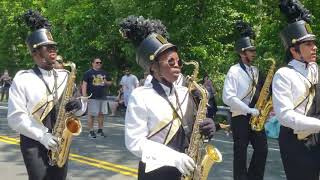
67, 124
264, 103
204, 159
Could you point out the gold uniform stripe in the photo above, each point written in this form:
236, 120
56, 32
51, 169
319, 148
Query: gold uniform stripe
42, 109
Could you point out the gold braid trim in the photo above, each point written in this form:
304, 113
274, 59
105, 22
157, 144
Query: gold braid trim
174, 128
42, 109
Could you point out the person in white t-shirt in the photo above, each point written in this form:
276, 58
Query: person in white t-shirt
129, 82
145, 75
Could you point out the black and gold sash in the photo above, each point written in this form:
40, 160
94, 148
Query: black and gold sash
254, 94
47, 103
174, 123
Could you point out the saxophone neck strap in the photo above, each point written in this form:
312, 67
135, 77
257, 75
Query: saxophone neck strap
254, 84
55, 75
243, 67
311, 91
158, 88
291, 67
258, 89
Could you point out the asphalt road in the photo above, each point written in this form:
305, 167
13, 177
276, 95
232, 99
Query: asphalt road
107, 158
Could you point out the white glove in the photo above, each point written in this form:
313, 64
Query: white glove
157, 155
254, 112
184, 164
49, 141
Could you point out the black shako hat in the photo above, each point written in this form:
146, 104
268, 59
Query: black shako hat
41, 30
246, 40
150, 48
148, 36
298, 30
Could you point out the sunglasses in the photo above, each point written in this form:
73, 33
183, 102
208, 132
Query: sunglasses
172, 62
51, 47
98, 62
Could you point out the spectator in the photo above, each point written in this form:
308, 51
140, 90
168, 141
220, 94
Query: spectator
207, 83
5, 80
117, 103
272, 126
149, 77
145, 75
129, 82
94, 84
212, 105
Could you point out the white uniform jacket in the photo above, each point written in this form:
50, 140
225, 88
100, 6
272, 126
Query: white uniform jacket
26, 91
289, 88
237, 90
146, 110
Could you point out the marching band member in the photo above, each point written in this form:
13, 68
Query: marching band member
238, 92
159, 115
34, 100
296, 96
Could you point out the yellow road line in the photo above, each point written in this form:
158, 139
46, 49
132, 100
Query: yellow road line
104, 163
9, 142
87, 160
127, 173
10, 139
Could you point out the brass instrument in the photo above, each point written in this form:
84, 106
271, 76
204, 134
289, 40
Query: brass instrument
67, 125
264, 103
203, 162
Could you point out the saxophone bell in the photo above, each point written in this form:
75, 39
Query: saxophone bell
211, 157
214, 153
73, 125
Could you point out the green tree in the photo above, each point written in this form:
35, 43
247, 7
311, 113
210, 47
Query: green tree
202, 29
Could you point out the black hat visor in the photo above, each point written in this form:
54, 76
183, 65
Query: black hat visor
308, 37
250, 48
164, 48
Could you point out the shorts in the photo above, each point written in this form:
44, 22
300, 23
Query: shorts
96, 106
126, 96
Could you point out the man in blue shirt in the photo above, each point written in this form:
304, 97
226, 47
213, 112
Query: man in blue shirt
95, 82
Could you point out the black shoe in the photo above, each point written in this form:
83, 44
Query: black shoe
100, 133
92, 135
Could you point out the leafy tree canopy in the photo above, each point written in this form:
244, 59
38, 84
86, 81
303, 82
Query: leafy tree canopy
202, 29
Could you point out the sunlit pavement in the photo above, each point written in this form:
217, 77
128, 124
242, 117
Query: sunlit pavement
107, 158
